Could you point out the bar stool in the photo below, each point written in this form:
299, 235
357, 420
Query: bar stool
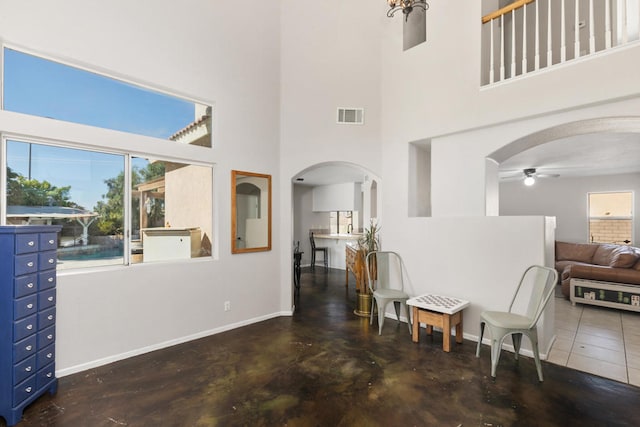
314, 249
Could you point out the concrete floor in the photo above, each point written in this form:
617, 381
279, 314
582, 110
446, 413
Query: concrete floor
327, 367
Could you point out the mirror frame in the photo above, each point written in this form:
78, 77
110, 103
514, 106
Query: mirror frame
235, 174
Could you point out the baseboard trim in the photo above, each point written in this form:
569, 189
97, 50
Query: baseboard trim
159, 346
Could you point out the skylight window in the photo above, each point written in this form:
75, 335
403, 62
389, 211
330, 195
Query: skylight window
41, 87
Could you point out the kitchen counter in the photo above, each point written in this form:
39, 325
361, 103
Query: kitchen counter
336, 244
339, 236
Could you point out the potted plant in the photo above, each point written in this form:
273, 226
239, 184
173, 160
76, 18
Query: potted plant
369, 242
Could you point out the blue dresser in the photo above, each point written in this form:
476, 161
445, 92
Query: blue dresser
27, 316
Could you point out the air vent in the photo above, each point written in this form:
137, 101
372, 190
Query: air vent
351, 116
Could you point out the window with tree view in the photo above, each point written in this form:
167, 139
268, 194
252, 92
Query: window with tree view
84, 191
115, 207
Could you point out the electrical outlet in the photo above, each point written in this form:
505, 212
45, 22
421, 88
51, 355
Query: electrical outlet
227, 305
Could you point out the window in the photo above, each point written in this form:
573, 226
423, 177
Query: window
342, 222
168, 216
611, 217
115, 207
40, 87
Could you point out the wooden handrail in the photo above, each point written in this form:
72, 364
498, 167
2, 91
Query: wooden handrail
498, 13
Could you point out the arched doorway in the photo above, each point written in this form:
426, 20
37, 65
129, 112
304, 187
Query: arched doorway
570, 159
338, 178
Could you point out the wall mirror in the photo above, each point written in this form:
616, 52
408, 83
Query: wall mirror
250, 212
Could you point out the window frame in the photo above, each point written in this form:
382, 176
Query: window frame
59, 133
108, 74
630, 217
127, 191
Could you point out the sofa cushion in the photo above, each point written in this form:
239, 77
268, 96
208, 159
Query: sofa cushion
562, 265
580, 252
623, 257
603, 254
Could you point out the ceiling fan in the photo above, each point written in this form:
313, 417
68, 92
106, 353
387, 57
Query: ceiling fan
529, 175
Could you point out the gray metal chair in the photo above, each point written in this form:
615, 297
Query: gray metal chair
385, 272
541, 282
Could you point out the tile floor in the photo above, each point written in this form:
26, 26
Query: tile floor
597, 340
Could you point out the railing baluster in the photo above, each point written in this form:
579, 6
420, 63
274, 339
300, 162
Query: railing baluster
491, 61
592, 30
576, 32
607, 24
513, 43
625, 22
549, 44
524, 39
563, 37
537, 36
502, 48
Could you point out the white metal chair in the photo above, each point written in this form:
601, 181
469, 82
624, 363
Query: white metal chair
385, 273
541, 281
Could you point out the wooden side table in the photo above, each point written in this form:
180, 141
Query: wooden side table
441, 311
354, 259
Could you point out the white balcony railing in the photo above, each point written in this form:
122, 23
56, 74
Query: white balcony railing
530, 35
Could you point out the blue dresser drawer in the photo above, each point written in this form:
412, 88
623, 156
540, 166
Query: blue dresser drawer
45, 376
25, 285
46, 318
26, 243
46, 355
47, 299
25, 327
46, 280
25, 348
47, 260
25, 264
25, 306
46, 336
24, 369
24, 390
48, 241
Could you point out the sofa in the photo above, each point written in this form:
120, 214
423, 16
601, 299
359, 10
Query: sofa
597, 261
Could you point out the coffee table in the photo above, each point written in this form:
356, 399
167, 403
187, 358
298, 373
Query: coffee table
441, 311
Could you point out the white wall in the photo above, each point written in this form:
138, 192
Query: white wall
567, 200
431, 93
192, 48
330, 58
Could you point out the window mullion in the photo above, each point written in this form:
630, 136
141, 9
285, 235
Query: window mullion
126, 203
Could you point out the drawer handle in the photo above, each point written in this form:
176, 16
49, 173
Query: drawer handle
49, 355
30, 306
28, 389
29, 348
31, 243
51, 260
30, 285
50, 280
50, 299
50, 337
49, 374
50, 317
29, 327
30, 264
27, 369
51, 241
